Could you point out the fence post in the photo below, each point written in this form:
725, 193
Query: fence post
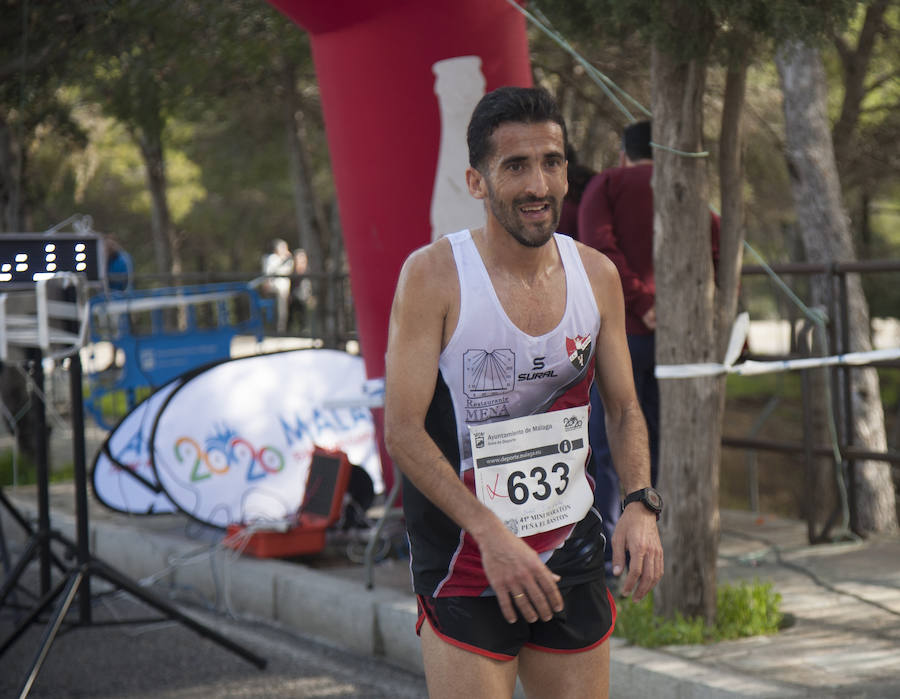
847, 388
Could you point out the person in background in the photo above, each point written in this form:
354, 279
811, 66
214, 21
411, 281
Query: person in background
302, 301
119, 266
578, 176
615, 216
278, 266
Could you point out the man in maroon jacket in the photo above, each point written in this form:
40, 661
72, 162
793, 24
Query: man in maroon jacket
615, 216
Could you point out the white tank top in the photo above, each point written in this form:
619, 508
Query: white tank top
495, 371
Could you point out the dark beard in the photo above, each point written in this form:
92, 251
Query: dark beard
508, 218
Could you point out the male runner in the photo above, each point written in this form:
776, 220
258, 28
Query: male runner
495, 337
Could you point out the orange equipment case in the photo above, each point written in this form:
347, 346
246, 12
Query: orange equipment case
326, 483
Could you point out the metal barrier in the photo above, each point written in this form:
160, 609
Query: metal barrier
330, 317
839, 376
156, 335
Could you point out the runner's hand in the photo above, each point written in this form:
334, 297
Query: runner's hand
637, 533
519, 578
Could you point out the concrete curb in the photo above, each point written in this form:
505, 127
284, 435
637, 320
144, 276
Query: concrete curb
306, 601
378, 622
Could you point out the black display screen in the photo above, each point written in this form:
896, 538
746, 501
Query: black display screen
321, 484
25, 258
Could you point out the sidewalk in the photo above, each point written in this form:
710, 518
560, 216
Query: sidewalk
845, 599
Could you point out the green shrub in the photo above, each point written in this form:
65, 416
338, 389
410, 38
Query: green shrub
115, 405
743, 610
747, 610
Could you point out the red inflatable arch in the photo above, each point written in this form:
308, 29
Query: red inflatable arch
398, 80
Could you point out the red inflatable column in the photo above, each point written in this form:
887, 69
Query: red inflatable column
398, 81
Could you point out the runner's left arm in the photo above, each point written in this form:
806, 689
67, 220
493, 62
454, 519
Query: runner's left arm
636, 531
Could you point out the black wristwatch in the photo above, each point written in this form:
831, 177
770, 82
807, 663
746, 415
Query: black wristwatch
650, 498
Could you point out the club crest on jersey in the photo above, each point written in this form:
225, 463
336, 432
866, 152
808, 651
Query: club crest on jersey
579, 350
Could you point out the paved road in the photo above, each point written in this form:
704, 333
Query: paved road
168, 661
845, 598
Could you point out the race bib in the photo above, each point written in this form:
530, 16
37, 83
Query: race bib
530, 470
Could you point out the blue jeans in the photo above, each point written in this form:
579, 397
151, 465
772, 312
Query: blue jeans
607, 499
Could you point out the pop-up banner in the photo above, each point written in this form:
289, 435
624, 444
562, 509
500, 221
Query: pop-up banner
398, 81
122, 475
233, 443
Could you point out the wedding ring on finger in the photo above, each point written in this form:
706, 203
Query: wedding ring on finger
518, 595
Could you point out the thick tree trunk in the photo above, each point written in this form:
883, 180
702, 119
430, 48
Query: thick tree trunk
11, 208
308, 223
825, 230
13, 385
855, 66
323, 229
338, 305
731, 185
16, 396
164, 250
690, 429
822, 511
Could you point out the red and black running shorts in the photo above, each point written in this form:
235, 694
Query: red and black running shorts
476, 624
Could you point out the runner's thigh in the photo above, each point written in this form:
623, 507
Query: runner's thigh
583, 675
452, 672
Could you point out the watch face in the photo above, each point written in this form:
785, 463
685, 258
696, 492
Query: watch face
653, 499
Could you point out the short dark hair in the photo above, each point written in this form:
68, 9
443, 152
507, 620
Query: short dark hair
636, 141
524, 105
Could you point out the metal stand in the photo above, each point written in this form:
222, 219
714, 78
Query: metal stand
375, 535
77, 580
38, 545
10, 582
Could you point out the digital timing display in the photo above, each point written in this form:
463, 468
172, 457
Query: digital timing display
26, 258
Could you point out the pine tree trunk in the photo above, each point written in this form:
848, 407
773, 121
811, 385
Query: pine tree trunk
308, 236
160, 219
11, 207
825, 231
855, 64
820, 477
731, 184
14, 390
690, 429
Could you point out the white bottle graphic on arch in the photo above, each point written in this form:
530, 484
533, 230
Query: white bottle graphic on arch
459, 84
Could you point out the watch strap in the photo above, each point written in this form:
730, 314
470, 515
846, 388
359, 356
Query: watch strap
643, 496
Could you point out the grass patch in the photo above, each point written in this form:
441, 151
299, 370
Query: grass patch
788, 385
27, 470
745, 609
764, 386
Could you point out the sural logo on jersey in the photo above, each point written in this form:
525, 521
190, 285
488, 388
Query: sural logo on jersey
579, 350
538, 371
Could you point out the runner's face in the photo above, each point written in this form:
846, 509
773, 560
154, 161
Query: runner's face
526, 180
